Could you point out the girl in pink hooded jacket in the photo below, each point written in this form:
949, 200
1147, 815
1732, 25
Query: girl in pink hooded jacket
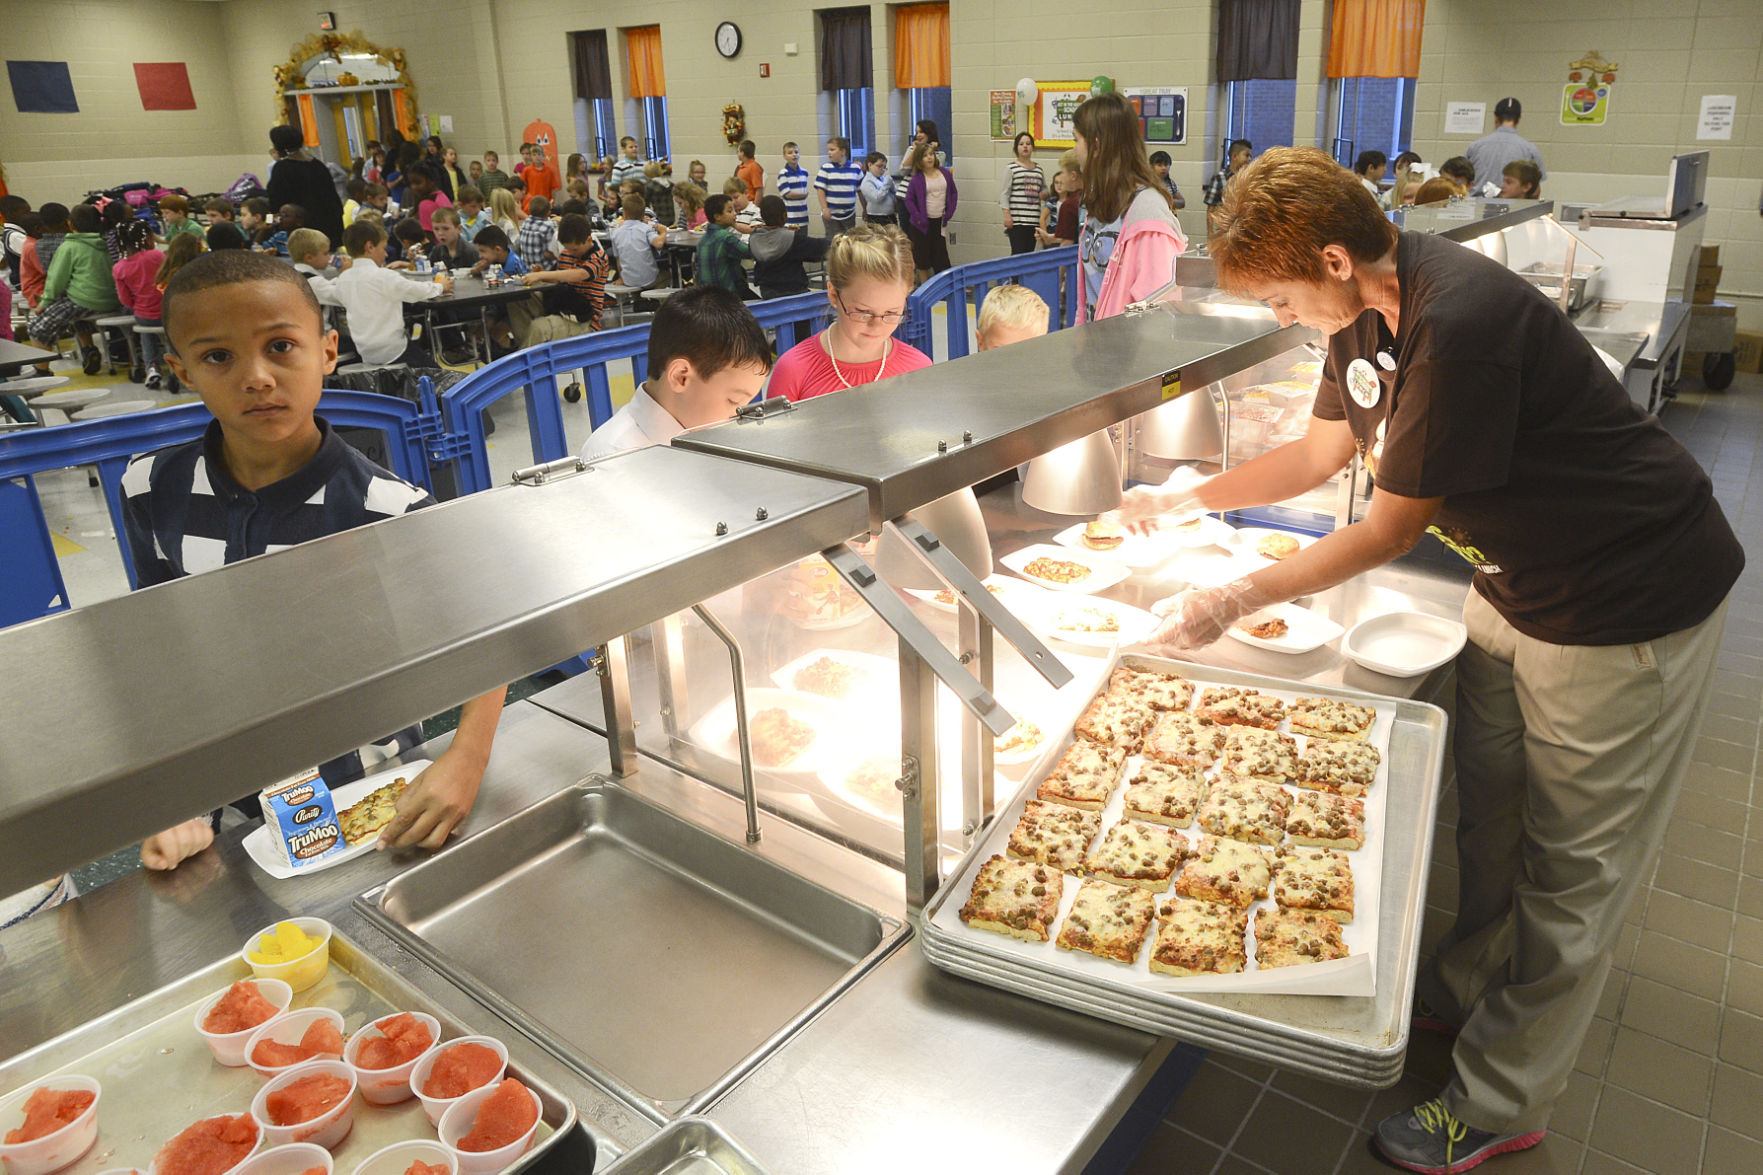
136, 289
1130, 238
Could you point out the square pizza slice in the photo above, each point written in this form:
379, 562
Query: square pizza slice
1016, 898
1331, 821
1108, 921
1116, 722
1166, 793
1237, 706
1291, 938
1053, 834
1332, 718
1185, 739
1347, 769
1139, 854
1314, 879
1266, 756
1158, 690
1196, 937
1226, 871
1243, 809
1085, 776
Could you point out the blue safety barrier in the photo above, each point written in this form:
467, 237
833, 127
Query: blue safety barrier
1051, 273
31, 583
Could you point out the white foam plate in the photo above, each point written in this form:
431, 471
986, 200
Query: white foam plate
1104, 572
1010, 591
715, 732
1248, 536
1135, 623
1305, 630
882, 675
260, 842
1404, 644
1194, 530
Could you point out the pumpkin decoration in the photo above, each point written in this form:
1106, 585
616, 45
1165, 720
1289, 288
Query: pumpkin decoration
734, 123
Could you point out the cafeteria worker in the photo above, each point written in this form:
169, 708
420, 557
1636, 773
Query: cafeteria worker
1602, 570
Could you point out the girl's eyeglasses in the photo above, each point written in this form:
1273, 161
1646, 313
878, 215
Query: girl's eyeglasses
868, 316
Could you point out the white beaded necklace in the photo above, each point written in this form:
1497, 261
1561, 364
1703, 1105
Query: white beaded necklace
881, 372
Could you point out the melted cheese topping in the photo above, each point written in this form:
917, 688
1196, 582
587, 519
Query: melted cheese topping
1226, 870
1321, 816
1200, 936
1265, 754
1108, 920
1229, 703
1139, 851
1332, 716
1185, 738
1053, 834
1339, 764
1171, 792
1014, 895
1160, 691
1246, 810
1285, 938
1315, 879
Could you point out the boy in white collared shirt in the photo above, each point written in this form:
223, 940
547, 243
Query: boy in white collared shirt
707, 357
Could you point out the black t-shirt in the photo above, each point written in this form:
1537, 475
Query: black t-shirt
308, 183
1587, 522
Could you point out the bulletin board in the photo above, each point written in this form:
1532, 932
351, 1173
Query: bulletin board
1050, 116
1162, 111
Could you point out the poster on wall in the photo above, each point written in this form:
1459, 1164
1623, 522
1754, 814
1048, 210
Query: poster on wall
1163, 112
1053, 109
1584, 104
42, 87
1465, 118
1003, 109
1718, 113
164, 85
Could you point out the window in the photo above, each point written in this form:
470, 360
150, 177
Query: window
1372, 114
847, 77
655, 144
854, 119
1262, 111
596, 134
596, 130
930, 102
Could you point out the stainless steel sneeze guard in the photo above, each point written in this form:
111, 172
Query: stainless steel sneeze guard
209, 688
655, 958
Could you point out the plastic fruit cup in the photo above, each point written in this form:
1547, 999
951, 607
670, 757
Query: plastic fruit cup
326, 1130
300, 973
53, 1151
256, 1145
287, 1028
229, 1047
384, 1087
396, 1159
456, 1123
293, 1159
434, 1107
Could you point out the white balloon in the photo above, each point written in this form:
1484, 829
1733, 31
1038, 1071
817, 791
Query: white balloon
1026, 89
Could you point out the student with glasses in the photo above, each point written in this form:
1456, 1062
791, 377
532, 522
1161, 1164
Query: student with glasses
868, 278
1130, 239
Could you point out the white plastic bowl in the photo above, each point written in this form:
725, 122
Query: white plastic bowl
385, 1087
326, 1130
229, 1047
434, 1107
256, 1146
288, 1028
300, 973
59, 1148
456, 1123
1404, 644
396, 1159
295, 1158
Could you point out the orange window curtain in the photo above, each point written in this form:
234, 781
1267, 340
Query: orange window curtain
921, 46
643, 48
1376, 39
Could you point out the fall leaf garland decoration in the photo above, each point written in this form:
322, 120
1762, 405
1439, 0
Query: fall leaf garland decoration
734, 123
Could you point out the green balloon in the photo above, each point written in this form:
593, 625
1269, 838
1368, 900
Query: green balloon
1102, 85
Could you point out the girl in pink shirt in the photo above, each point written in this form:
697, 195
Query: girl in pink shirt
868, 277
136, 287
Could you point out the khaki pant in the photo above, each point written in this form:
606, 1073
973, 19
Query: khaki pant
1569, 758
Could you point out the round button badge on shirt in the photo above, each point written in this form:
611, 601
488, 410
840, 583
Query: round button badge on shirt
1363, 384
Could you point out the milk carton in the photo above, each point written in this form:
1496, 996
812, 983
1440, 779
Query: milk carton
302, 820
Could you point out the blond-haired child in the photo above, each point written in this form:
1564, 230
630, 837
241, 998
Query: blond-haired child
1011, 314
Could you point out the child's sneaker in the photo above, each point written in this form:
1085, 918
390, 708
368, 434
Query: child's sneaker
91, 360
153, 380
1431, 1140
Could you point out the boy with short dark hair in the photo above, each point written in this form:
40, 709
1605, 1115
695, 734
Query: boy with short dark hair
707, 357
78, 286
746, 211
406, 243
472, 214
1160, 163
722, 250
374, 299
450, 247
1371, 167
270, 473
634, 244
289, 218
493, 177
494, 248
539, 175
749, 172
174, 212
254, 220
537, 239
220, 209
629, 164
577, 286
792, 185
1237, 157
779, 251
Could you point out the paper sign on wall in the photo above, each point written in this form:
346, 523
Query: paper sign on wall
1162, 111
1003, 114
164, 85
1053, 111
446, 124
42, 87
1718, 112
1465, 118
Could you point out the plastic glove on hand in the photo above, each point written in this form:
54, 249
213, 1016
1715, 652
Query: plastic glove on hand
1141, 506
1195, 619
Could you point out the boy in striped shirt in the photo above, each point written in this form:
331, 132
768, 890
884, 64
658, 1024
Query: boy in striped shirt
578, 284
836, 185
792, 185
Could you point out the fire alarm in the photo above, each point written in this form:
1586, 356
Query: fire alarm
327, 22
765, 69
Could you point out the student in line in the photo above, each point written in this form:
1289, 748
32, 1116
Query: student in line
707, 357
875, 195
1130, 237
792, 184
835, 184
1019, 195
749, 171
930, 203
869, 276
1010, 314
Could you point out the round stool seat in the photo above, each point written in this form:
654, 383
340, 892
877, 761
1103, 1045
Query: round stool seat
114, 408
353, 367
115, 320
36, 385
149, 330
72, 399
660, 294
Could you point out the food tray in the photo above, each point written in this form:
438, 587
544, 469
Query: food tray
158, 1075
689, 1146
260, 841
1354, 1039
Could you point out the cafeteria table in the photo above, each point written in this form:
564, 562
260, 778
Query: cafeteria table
15, 355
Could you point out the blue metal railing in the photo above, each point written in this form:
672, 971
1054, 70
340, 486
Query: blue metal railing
1051, 273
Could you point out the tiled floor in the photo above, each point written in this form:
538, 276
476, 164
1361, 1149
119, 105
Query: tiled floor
1670, 1079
